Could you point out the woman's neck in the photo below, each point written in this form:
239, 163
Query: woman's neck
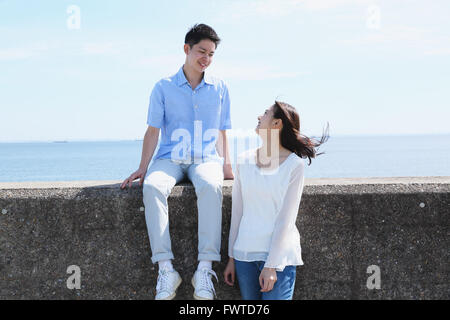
271, 150
271, 146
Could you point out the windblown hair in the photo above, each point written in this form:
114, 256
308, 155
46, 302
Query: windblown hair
290, 136
199, 32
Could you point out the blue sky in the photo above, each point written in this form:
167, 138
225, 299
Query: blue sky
366, 67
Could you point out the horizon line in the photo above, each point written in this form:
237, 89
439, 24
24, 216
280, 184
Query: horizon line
230, 136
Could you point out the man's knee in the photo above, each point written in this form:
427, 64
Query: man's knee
209, 186
154, 187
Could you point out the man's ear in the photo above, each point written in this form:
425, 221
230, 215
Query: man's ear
186, 48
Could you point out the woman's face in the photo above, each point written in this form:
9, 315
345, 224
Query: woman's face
265, 121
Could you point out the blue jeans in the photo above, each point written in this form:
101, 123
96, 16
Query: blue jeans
248, 277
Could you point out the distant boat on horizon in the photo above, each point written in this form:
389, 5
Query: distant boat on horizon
61, 141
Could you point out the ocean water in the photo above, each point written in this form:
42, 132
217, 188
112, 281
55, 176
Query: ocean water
345, 156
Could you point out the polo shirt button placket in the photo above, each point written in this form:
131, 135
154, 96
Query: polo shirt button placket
195, 108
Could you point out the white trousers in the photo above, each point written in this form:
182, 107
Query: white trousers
207, 179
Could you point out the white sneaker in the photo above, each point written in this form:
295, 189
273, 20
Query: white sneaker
168, 282
204, 288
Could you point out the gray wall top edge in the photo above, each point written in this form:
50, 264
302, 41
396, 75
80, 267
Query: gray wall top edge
113, 184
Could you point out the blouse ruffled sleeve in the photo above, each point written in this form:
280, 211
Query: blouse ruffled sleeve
236, 211
285, 232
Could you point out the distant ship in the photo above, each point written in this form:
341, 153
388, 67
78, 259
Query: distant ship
60, 141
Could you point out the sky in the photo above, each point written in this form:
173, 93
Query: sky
84, 69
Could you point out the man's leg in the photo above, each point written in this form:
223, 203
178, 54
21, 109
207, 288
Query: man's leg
161, 177
207, 179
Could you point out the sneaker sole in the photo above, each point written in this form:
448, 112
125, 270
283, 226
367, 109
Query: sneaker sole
174, 291
196, 297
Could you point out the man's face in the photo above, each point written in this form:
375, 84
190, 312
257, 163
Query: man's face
200, 56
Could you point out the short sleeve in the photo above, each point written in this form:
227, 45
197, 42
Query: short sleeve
225, 120
155, 116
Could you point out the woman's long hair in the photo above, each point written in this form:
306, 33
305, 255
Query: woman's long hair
290, 136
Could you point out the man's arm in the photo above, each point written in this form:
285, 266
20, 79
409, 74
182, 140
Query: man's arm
222, 150
148, 148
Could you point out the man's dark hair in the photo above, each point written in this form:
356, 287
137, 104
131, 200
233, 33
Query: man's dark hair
199, 32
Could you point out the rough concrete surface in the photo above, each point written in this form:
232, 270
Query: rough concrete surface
346, 225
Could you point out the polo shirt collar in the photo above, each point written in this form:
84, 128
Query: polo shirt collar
181, 78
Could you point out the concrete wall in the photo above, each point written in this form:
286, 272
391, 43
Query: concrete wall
346, 225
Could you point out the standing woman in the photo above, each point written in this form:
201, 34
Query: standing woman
264, 242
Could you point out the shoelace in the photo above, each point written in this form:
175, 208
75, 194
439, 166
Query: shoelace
205, 280
163, 281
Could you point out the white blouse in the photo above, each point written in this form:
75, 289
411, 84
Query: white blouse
264, 210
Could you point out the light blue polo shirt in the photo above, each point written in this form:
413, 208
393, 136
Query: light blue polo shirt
189, 119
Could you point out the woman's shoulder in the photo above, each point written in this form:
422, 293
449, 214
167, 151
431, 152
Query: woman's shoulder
297, 159
297, 163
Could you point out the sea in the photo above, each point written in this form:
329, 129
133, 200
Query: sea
343, 157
